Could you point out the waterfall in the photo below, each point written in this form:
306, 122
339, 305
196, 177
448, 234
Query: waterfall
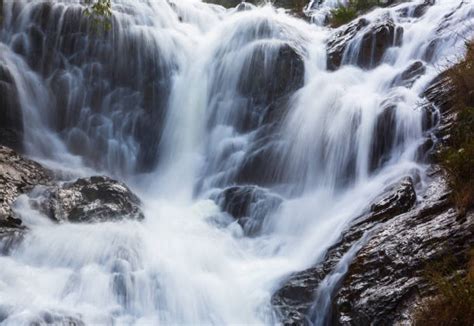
184, 99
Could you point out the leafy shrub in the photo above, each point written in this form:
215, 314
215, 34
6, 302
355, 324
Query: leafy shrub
100, 12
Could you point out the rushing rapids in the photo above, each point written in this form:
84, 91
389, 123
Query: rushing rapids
211, 115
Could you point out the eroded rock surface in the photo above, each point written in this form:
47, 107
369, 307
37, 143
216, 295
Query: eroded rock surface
294, 300
18, 175
386, 276
94, 199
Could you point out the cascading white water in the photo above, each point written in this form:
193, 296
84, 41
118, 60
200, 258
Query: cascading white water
175, 99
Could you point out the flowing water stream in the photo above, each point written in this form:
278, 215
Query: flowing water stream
182, 99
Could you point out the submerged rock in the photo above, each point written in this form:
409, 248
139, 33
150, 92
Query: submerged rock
249, 205
94, 199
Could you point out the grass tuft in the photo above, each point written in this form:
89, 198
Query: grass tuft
458, 157
454, 301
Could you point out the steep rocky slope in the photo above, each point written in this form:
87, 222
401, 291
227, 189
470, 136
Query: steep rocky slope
378, 265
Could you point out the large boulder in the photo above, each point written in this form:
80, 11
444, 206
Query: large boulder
249, 205
94, 199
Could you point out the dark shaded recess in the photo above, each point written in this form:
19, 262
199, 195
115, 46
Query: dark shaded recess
11, 121
383, 140
249, 205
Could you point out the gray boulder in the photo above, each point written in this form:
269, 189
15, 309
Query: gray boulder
94, 199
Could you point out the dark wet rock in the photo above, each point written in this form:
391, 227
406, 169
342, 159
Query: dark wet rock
249, 205
265, 82
18, 175
11, 123
398, 199
340, 40
296, 296
386, 276
94, 199
409, 76
383, 140
347, 46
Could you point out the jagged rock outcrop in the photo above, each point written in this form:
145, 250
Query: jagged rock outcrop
295, 298
386, 276
94, 199
249, 205
367, 49
18, 175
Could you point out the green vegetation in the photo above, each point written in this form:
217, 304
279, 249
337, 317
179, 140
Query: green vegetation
100, 12
458, 157
347, 13
454, 300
